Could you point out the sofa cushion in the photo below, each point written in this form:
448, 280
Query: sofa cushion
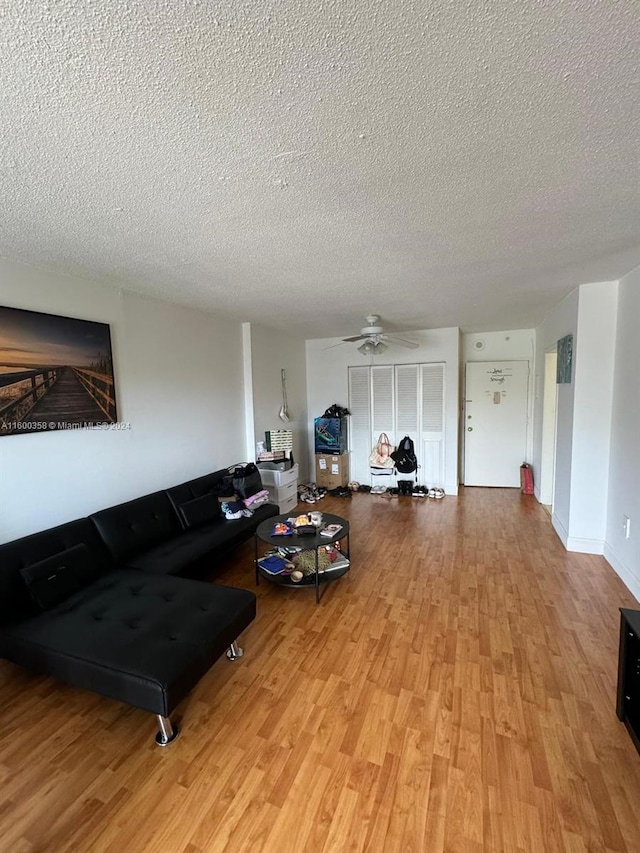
137, 525
142, 639
15, 555
193, 548
209, 484
176, 555
53, 579
199, 511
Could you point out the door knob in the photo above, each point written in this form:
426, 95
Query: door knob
469, 429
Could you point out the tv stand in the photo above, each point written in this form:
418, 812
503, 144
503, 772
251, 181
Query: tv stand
628, 705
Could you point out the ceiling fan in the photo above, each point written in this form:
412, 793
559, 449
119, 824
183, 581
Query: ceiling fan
375, 339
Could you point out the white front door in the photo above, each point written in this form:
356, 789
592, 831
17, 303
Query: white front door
495, 422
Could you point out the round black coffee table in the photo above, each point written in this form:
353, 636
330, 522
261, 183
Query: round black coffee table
306, 543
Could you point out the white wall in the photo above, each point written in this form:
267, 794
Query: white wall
513, 345
584, 409
624, 467
594, 349
327, 381
549, 391
562, 321
179, 384
270, 353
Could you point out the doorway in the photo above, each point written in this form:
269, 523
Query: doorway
549, 413
495, 422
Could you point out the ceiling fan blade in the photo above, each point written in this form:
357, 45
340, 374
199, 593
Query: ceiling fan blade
333, 346
354, 338
401, 342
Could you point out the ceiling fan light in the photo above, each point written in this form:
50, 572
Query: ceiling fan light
380, 347
367, 348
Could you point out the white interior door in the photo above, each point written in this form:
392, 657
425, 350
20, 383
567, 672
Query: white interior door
495, 422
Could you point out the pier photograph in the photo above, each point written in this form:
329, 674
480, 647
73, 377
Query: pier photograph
55, 373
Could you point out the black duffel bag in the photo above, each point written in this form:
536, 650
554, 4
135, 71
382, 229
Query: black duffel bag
246, 480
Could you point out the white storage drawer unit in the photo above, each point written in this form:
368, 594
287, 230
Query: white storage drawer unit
290, 505
279, 478
282, 487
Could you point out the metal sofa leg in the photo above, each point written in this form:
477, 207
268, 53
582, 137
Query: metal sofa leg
234, 651
167, 733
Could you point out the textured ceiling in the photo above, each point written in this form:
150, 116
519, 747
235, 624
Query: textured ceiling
304, 164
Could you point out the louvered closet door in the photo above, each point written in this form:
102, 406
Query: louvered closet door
407, 408
382, 407
432, 447
382, 400
405, 399
360, 422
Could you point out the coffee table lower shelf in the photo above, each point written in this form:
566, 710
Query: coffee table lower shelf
325, 576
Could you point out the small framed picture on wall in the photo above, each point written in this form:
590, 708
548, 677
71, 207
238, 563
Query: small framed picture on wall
565, 360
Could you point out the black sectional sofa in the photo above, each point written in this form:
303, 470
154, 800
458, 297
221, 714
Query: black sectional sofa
112, 603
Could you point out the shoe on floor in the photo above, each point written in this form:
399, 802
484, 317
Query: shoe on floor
378, 490
340, 492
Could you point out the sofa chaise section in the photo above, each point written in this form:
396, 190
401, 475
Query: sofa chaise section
144, 639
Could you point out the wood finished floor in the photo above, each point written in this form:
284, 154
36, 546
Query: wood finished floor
455, 692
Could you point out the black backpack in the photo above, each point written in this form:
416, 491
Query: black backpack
405, 457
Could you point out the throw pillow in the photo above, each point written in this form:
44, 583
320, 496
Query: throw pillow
55, 578
200, 510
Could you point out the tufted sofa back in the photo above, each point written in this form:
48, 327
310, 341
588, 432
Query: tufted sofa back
14, 600
136, 525
192, 489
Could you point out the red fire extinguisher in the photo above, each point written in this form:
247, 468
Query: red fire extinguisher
526, 479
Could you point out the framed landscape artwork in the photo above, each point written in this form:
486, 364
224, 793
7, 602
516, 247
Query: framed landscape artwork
565, 360
55, 373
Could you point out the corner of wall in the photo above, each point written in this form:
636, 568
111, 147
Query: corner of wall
247, 379
630, 579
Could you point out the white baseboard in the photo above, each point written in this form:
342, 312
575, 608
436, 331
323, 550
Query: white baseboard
585, 546
547, 500
574, 543
450, 489
559, 528
628, 577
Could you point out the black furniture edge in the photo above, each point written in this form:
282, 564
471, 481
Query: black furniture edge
628, 696
51, 636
